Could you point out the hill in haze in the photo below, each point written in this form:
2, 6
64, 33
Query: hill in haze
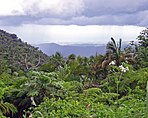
84, 50
16, 55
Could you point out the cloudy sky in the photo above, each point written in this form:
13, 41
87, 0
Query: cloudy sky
74, 21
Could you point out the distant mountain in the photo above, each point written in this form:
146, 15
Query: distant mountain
16, 54
77, 49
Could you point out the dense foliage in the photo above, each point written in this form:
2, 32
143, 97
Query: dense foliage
102, 86
16, 55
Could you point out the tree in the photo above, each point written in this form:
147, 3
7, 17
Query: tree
143, 38
71, 58
115, 49
142, 53
6, 108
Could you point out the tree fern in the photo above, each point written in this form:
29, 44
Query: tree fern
147, 101
7, 108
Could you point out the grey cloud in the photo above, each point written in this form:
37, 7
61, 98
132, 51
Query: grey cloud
90, 12
139, 18
60, 9
16, 20
101, 7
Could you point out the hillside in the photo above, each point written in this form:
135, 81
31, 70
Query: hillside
16, 55
112, 85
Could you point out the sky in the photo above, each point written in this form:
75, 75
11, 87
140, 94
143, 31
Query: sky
74, 21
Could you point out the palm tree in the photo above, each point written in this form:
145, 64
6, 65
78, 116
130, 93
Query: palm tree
115, 49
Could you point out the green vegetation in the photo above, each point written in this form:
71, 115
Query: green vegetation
114, 85
16, 55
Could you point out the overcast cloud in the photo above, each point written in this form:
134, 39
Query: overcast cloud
74, 21
78, 12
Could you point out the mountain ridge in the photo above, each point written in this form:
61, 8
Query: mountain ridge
85, 50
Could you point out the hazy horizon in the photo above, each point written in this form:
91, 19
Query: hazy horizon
73, 21
74, 34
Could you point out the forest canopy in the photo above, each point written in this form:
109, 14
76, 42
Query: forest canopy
35, 85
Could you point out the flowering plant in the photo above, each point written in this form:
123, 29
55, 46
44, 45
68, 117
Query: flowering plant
123, 69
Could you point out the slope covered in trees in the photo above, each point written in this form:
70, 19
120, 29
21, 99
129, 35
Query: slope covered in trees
16, 55
102, 86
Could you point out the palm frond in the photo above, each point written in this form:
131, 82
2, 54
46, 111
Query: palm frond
114, 43
110, 47
120, 44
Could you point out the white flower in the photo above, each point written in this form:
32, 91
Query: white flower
123, 69
83, 76
112, 63
127, 68
32, 100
